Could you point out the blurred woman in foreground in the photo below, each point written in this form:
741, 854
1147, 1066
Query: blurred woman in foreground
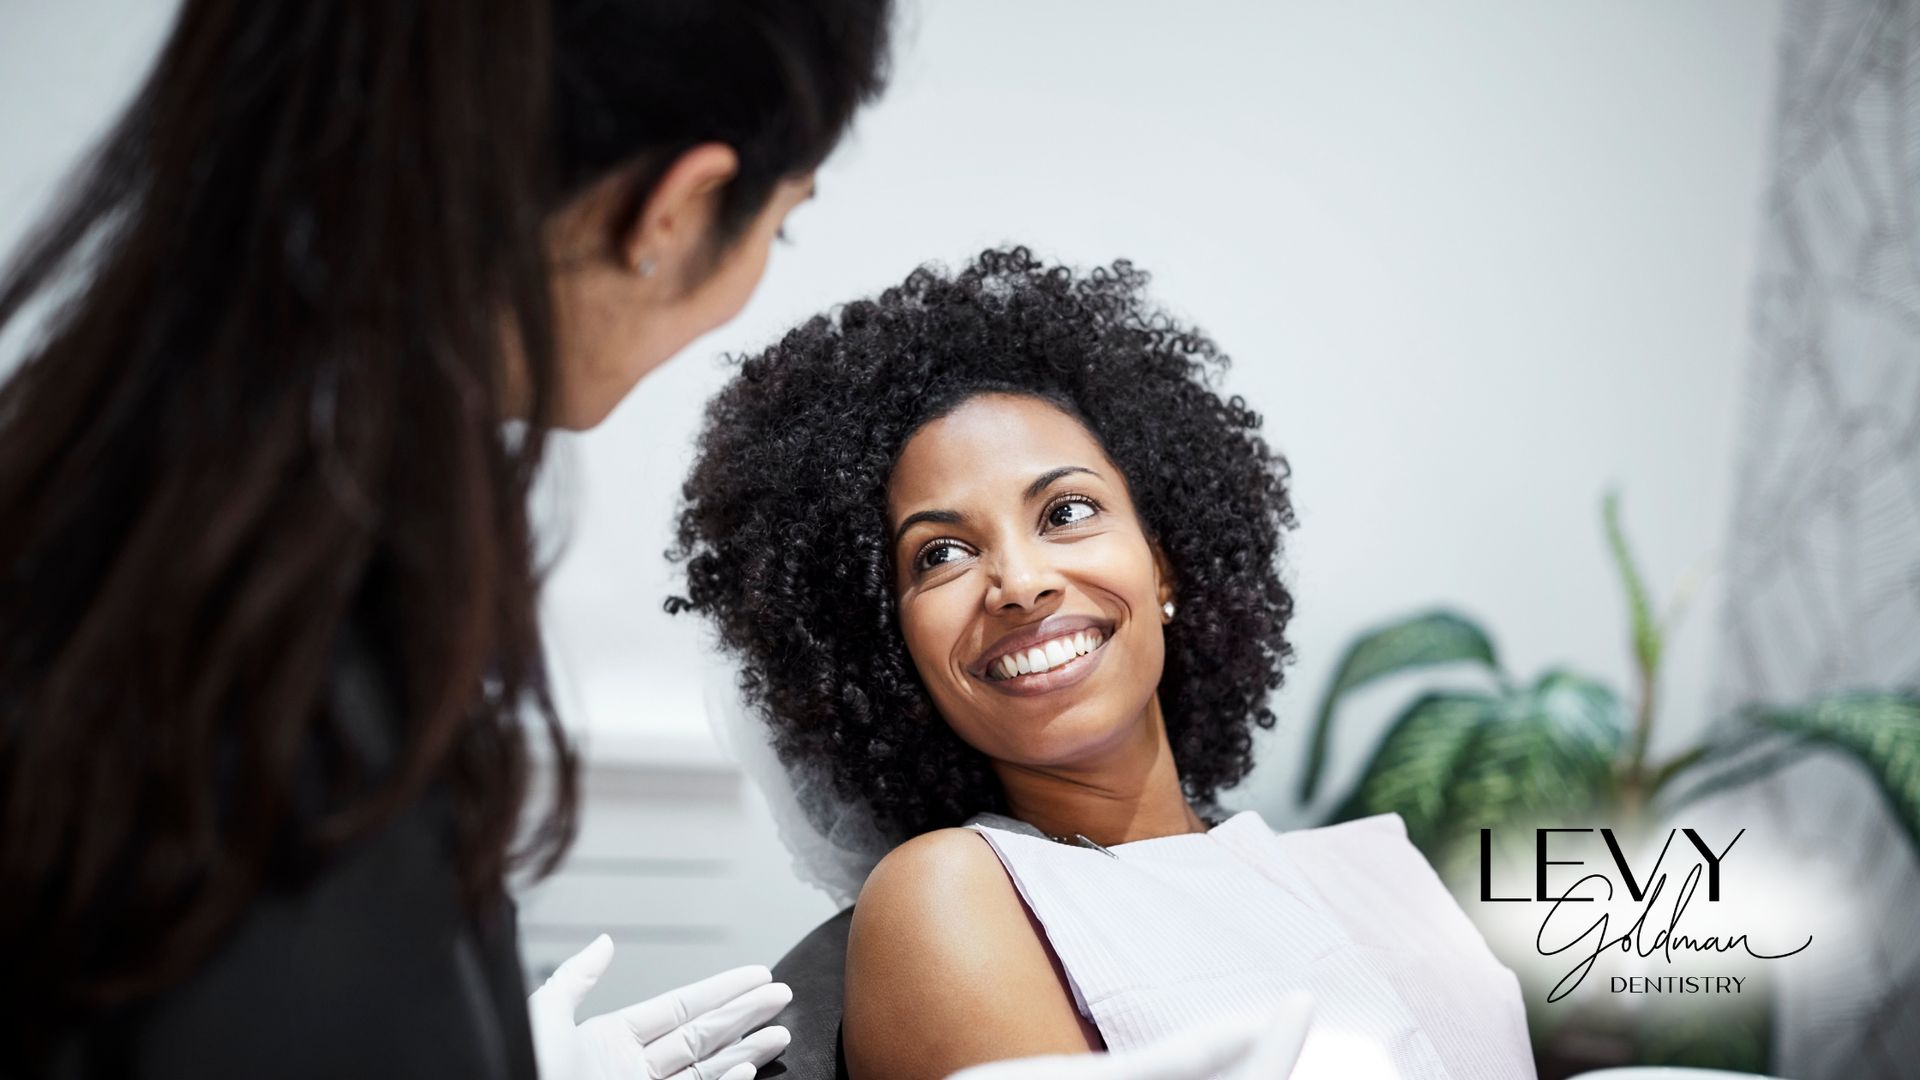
267, 582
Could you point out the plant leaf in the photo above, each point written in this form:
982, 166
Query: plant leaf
1881, 731
1456, 762
1412, 769
1678, 764
1735, 762
1646, 631
1437, 637
1547, 753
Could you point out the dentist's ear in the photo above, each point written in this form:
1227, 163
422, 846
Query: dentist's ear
673, 227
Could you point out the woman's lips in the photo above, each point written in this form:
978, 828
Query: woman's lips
1055, 652
1045, 656
1056, 677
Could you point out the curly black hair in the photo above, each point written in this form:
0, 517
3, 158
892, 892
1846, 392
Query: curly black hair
785, 534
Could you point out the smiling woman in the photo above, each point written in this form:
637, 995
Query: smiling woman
995, 554
797, 542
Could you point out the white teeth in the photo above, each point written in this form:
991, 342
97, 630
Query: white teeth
1045, 656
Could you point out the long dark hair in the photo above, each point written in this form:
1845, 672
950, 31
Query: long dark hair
264, 402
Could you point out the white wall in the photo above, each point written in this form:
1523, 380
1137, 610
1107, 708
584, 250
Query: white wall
1475, 261
65, 67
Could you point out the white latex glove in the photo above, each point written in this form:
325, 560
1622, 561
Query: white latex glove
693, 1033
1247, 1048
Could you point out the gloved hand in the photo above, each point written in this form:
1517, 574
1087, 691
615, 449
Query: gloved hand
1248, 1048
693, 1033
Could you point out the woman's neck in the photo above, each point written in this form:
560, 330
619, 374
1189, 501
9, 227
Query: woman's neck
1129, 793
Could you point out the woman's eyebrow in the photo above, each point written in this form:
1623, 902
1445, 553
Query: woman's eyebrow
954, 517
1048, 477
938, 517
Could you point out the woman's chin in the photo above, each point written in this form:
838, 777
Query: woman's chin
1077, 740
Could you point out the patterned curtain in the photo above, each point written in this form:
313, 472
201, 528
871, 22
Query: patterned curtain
1824, 557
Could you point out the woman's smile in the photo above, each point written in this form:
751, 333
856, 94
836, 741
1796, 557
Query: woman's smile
1053, 654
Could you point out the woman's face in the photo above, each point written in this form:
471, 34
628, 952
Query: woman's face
1030, 597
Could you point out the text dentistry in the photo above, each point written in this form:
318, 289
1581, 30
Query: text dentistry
1676, 984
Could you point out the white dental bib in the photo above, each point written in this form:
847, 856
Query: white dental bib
1160, 934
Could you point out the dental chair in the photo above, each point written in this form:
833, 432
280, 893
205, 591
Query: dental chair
1667, 1073
817, 970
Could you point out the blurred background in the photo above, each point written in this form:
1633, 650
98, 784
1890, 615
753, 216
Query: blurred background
1477, 263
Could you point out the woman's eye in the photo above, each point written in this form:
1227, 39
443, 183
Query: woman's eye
1069, 513
939, 554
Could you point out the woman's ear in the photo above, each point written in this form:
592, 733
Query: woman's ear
672, 235
1163, 584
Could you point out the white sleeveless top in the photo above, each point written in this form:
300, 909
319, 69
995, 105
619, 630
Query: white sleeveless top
1160, 934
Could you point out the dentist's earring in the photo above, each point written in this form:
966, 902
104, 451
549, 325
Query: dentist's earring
1167, 609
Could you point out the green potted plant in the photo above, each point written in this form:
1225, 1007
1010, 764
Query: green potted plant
1566, 748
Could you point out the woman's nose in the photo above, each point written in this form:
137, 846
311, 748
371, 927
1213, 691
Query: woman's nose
1020, 576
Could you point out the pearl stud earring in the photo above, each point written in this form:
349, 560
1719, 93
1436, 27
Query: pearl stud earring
644, 267
1168, 609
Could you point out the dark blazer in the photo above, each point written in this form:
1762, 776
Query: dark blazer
370, 968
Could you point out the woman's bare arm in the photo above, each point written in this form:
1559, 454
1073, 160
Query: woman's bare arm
946, 968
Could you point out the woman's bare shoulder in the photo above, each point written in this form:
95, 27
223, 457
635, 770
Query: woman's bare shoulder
921, 877
939, 905
946, 968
